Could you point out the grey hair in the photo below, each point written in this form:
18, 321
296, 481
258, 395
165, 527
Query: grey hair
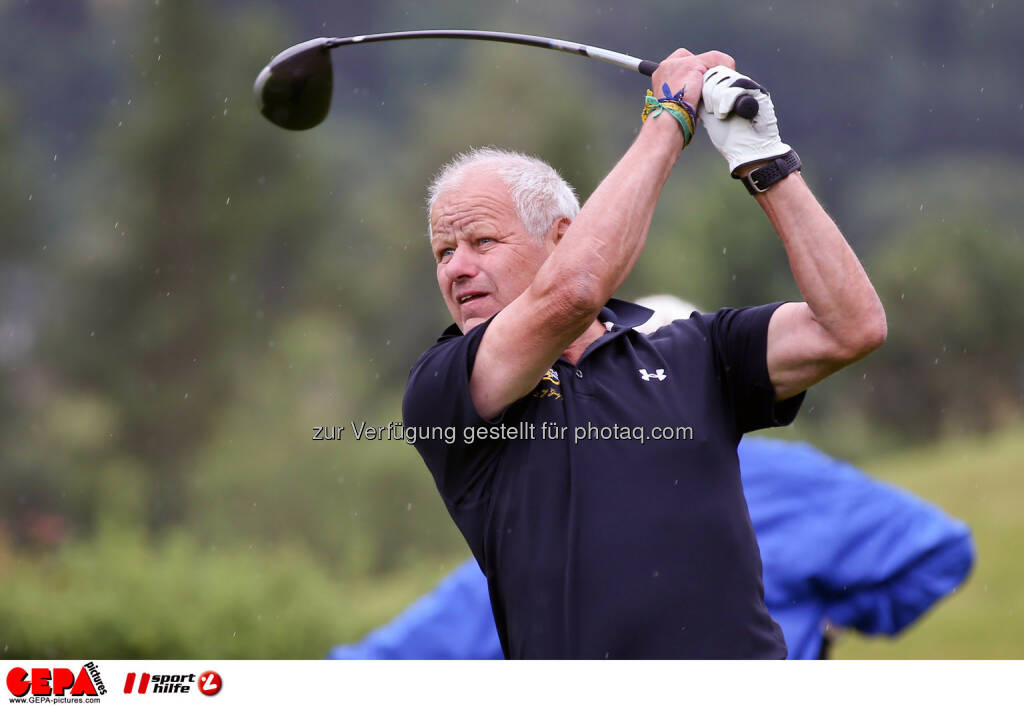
539, 193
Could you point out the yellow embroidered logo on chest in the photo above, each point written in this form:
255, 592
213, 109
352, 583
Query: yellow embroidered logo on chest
548, 387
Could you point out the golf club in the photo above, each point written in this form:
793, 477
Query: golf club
294, 89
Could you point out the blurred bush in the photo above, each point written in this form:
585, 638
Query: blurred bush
120, 597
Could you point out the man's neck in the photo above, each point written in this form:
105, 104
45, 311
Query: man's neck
576, 348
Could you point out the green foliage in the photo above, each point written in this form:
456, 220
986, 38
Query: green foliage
191, 290
16, 220
949, 274
116, 597
365, 505
952, 293
195, 233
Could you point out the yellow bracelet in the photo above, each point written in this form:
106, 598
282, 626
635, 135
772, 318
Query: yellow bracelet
653, 108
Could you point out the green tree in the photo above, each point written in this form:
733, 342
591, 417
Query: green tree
200, 220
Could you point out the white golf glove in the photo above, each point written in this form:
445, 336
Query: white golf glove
740, 141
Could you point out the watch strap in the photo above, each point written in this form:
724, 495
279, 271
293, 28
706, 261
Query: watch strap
770, 173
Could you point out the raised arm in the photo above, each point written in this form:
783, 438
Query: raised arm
593, 256
841, 318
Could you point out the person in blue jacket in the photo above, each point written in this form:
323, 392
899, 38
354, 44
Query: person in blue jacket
839, 550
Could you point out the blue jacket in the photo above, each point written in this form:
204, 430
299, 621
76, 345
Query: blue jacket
836, 545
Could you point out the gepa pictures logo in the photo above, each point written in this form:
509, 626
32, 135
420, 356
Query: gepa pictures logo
59, 681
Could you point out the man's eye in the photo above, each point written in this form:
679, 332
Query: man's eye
485, 241
445, 255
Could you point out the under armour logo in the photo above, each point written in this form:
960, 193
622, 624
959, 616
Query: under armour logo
658, 374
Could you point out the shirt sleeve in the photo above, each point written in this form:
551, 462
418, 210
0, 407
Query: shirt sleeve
438, 408
740, 341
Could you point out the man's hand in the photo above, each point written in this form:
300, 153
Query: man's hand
742, 142
684, 71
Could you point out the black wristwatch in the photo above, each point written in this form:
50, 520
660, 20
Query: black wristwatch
768, 174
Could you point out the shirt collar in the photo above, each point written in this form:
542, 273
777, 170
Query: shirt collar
622, 314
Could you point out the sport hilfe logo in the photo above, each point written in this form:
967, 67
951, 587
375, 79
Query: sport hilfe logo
43, 681
208, 683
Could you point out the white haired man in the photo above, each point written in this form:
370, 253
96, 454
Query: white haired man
595, 476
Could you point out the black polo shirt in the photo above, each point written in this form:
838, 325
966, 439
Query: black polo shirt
599, 540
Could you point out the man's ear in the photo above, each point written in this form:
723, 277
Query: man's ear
560, 227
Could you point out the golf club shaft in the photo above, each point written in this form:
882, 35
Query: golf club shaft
612, 57
294, 89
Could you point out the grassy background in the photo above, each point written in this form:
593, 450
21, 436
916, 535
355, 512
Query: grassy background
117, 597
980, 481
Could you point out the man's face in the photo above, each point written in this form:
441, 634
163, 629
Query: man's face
485, 256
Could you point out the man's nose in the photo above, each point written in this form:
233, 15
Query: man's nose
463, 263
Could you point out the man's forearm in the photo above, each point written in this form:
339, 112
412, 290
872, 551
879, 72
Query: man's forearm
603, 243
828, 273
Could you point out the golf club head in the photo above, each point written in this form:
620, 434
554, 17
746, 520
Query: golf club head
294, 89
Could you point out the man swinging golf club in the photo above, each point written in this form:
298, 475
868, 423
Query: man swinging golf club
602, 547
